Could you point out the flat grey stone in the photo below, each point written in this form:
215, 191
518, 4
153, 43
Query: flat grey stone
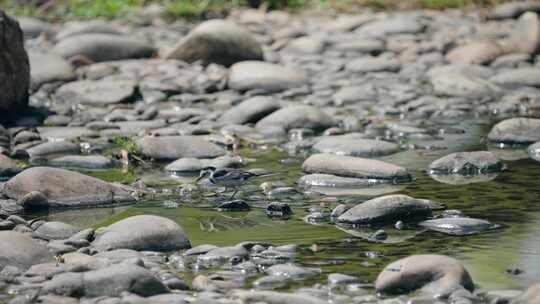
348, 166
55, 231
353, 146
269, 77
75, 28
516, 130
103, 47
296, 117
18, 249
518, 77
174, 147
97, 93
457, 225
110, 281
52, 148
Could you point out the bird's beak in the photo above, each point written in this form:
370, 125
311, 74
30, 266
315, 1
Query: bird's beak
203, 175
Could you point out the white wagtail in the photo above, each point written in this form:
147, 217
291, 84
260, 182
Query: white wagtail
227, 177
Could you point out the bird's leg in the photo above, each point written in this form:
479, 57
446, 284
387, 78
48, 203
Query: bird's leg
234, 193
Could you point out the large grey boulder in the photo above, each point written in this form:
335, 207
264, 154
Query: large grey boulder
478, 162
217, 41
103, 47
110, 281
19, 250
142, 232
459, 81
64, 188
300, 116
434, 275
349, 166
516, 130
14, 68
525, 38
174, 147
386, 209
268, 77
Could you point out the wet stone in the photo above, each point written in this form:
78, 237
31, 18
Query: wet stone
516, 130
236, 205
55, 231
458, 225
279, 210
387, 209
82, 162
351, 146
98, 47
467, 163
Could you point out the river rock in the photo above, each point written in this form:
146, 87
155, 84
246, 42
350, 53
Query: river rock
461, 82
97, 93
15, 71
369, 64
269, 77
217, 41
19, 250
8, 167
103, 47
93, 162
52, 148
525, 38
513, 9
55, 231
306, 45
297, 117
80, 191
250, 110
435, 275
86, 27
274, 297
392, 25
457, 225
386, 209
174, 147
33, 27
349, 166
529, 296
351, 146
514, 78
142, 233
110, 281
467, 163
48, 67
479, 52
516, 130
189, 164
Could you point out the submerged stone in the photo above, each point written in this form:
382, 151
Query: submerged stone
457, 225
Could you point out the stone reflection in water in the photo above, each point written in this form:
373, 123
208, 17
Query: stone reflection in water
84, 218
454, 179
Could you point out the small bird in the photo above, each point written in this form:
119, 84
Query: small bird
227, 177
